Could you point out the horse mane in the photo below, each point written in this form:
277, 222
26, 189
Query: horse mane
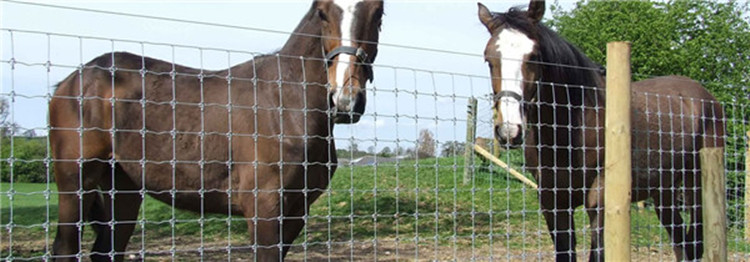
561, 61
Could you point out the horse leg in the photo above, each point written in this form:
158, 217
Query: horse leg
99, 217
669, 215
74, 205
295, 209
294, 220
558, 214
693, 199
596, 219
595, 211
126, 206
264, 224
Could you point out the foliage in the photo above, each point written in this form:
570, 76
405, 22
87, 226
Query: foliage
708, 41
28, 152
704, 40
452, 148
28, 160
385, 152
7, 127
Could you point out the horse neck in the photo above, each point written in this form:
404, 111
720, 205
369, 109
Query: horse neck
579, 77
302, 57
306, 40
301, 60
566, 67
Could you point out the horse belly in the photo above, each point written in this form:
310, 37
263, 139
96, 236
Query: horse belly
182, 170
665, 140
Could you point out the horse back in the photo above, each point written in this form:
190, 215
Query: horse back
673, 118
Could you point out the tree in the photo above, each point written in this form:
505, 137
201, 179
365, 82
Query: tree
409, 152
452, 148
7, 128
708, 41
425, 144
29, 133
385, 152
704, 40
398, 151
353, 147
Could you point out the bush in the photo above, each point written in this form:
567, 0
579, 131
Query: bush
29, 156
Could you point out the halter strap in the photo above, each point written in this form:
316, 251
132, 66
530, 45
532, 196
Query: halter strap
355, 51
511, 94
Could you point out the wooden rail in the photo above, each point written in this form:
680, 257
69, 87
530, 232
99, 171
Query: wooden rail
502, 164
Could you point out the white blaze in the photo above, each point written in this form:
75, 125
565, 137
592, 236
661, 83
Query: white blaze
344, 60
513, 46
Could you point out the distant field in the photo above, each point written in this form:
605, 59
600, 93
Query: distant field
408, 209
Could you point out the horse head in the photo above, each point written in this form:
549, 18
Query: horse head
511, 53
350, 31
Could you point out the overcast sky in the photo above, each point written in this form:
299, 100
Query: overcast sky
442, 80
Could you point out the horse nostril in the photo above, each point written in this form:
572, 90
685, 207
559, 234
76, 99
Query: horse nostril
345, 103
498, 135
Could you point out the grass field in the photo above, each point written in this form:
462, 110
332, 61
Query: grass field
388, 210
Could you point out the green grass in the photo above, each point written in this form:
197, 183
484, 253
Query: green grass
417, 202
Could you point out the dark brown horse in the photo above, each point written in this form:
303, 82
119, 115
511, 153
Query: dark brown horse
252, 140
550, 100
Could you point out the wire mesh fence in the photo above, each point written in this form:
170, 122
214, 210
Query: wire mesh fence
397, 192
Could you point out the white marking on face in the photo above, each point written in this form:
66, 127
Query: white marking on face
513, 46
345, 60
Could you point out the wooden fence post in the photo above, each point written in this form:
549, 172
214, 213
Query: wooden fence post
496, 147
714, 204
617, 178
471, 130
747, 189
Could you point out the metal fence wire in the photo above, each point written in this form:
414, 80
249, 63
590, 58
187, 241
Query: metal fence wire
398, 192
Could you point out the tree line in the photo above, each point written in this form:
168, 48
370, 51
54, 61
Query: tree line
425, 147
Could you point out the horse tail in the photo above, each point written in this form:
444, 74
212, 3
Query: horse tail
713, 123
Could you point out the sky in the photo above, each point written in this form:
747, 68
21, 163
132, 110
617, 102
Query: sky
429, 58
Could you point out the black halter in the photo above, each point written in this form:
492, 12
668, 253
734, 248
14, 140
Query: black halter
358, 52
511, 94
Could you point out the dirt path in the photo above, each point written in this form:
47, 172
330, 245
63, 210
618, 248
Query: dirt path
187, 249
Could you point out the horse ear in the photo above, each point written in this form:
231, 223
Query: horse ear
485, 16
536, 10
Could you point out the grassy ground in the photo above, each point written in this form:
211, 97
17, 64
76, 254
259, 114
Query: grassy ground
405, 207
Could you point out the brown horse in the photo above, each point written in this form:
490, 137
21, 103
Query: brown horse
542, 81
252, 140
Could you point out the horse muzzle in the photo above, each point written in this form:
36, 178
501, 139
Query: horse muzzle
509, 135
348, 108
